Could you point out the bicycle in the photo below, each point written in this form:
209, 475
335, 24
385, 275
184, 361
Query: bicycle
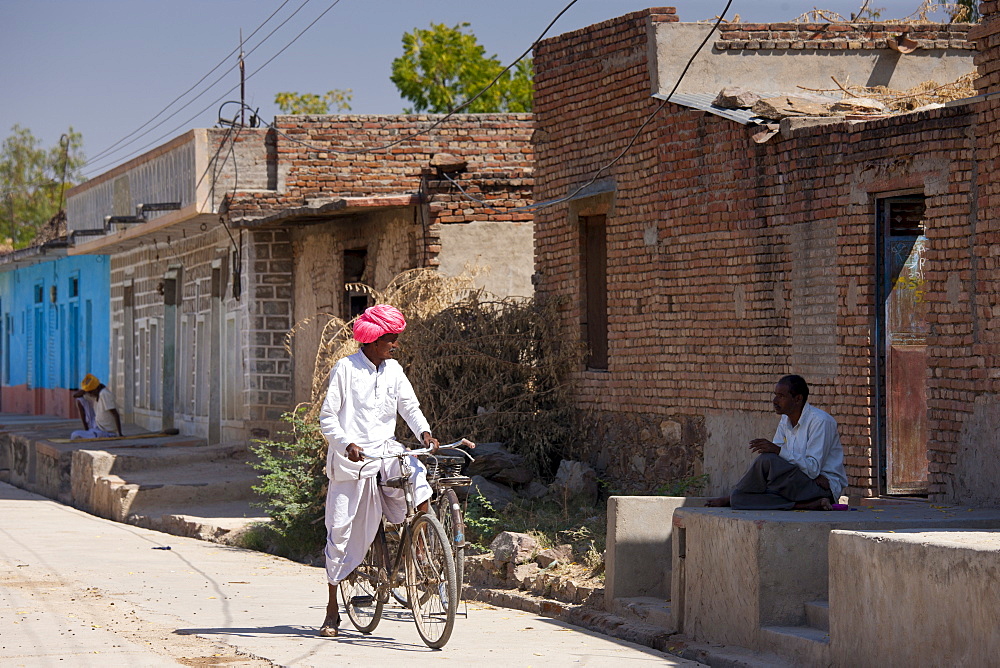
423, 563
444, 474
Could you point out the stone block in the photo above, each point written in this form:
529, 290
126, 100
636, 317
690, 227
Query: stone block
638, 560
735, 572
927, 591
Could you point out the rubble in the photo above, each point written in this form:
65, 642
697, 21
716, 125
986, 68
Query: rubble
736, 98
510, 547
788, 106
499, 496
574, 479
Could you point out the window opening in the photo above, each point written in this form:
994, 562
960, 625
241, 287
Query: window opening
355, 261
595, 289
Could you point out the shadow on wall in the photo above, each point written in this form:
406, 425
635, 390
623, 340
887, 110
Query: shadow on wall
727, 455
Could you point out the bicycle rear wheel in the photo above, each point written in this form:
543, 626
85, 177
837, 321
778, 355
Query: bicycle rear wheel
430, 581
360, 591
449, 513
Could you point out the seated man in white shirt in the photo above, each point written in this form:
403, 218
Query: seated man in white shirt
803, 468
97, 410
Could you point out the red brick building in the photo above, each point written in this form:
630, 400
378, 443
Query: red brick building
221, 240
357, 199
700, 265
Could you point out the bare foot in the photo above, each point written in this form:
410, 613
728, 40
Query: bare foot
821, 503
331, 627
718, 502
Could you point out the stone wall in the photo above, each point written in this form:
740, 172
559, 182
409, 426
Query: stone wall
731, 263
249, 365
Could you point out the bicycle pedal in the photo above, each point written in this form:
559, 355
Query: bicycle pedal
362, 601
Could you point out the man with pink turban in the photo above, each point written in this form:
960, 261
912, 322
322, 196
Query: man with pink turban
358, 418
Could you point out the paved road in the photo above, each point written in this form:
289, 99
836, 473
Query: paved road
77, 590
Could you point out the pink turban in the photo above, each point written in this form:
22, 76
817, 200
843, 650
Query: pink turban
378, 320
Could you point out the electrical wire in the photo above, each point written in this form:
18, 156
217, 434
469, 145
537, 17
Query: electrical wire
248, 77
445, 117
212, 85
631, 143
222, 62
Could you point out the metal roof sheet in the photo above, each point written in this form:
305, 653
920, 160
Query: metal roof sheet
703, 101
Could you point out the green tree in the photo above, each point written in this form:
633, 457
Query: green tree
441, 68
962, 11
33, 181
337, 100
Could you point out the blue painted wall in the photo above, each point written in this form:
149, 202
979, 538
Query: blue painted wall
54, 322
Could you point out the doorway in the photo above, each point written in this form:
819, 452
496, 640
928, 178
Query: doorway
901, 345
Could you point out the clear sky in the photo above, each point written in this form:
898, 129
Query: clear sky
106, 67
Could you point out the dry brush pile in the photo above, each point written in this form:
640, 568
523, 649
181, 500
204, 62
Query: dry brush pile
486, 368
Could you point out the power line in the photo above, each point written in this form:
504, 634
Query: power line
108, 151
211, 104
631, 143
445, 117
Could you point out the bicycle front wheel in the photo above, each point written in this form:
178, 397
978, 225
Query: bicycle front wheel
449, 513
360, 589
430, 581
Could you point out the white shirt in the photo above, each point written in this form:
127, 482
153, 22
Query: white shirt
360, 407
104, 404
814, 446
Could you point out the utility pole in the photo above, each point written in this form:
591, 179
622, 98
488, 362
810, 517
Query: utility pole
243, 104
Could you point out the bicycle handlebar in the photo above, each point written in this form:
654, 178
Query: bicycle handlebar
421, 451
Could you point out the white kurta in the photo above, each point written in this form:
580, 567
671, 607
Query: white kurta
360, 407
814, 446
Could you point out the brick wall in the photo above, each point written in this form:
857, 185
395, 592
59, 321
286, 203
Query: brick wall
973, 463
731, 263
326, 157
398, 209
825, 36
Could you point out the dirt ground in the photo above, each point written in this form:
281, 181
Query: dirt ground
71, 610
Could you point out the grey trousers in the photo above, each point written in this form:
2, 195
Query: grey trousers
773, 483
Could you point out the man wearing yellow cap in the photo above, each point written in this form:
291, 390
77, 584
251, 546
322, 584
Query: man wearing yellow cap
97, 410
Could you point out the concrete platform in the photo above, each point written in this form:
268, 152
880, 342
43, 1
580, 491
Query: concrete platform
915, 598
174, 483
742, 578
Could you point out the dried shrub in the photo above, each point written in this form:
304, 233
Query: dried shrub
493, 370
928, 11
901, 101
487, 368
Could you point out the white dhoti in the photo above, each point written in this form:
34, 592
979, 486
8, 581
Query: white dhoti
355, 507
91, 418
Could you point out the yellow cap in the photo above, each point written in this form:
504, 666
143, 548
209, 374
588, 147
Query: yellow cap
89, 383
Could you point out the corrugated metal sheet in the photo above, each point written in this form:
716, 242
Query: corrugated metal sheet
703, 101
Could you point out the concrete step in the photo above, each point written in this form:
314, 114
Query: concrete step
146, 457
191, 484
818, 615
211, 521
646, 610
801, 645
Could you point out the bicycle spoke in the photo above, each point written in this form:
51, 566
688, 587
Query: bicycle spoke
360, 590
431, 581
